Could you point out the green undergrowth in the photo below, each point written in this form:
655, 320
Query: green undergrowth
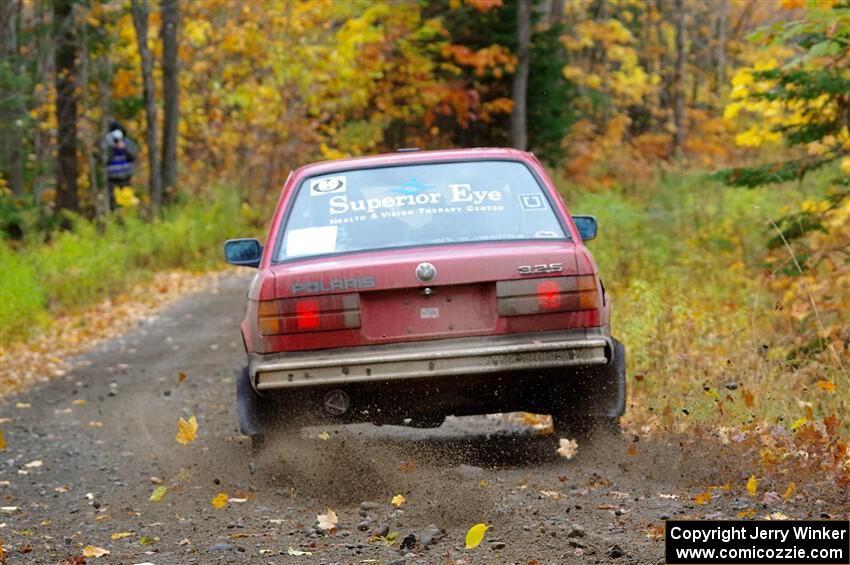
707, 339
87, 264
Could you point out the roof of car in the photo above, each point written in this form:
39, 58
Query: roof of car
403, 157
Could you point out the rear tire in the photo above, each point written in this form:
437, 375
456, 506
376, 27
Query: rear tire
600, 412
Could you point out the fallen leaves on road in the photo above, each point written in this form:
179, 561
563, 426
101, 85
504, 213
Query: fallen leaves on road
752, 485
324, 436
34, 464
656, 533
187, 431
297, 552
2, 440
789, 492
328, 521
475, 535
398, 500
121, 535
158, 493
567, 448
220, 500
44, 356
181, 376
94, 551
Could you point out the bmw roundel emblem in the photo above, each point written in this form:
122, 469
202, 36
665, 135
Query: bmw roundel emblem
426, 272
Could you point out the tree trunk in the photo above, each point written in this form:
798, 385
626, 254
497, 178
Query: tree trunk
11, 157
556, 12
90, 134
679, 83
519, 130
66, 105
140, 21
720, 73
170, 92
104, 82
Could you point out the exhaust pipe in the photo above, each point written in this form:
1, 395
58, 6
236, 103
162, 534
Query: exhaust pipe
337, 402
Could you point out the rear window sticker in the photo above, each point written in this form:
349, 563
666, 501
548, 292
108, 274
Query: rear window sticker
531, 202
544, 233
311, 241
333, 185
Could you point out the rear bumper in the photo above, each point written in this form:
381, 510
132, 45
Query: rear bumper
431, 359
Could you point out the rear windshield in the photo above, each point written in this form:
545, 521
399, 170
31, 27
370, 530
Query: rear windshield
428, 204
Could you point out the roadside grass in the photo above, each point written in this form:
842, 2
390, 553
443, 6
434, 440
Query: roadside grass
707, 338
84, 265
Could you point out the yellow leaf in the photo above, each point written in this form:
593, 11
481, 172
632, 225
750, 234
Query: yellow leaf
80, 402
327, 521
798, 423
2, 441
747, 513
324, 436
789, 492
158, 493
93, 551
22, 405
752, 485
702, 498
398, 500
828, 386
220, 500
121, 535
475, 535
291, 551
187, 431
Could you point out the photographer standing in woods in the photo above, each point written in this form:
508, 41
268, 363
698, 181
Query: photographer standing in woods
120, 154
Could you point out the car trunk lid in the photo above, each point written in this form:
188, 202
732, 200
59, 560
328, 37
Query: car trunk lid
395, 305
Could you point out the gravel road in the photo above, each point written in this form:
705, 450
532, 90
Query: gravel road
86, 451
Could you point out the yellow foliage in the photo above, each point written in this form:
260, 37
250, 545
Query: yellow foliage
125, 197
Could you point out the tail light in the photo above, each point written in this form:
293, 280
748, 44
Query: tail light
550, 294
315, 314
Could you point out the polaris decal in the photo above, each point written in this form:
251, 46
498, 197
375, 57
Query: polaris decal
313, 287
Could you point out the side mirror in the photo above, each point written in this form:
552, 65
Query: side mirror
244, 252
587, 226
